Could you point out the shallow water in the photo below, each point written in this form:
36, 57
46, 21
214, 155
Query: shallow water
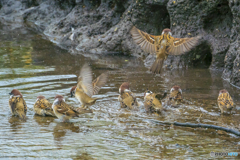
38, 67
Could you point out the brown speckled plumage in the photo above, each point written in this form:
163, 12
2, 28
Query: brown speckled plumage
225, 101
162, 45
151, 103
175, 97
17, 104
127, 98
62, 110
43, 107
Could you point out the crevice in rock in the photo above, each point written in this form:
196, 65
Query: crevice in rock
63, 4
201, 56
32, 3
119, 6
153, 17
93, 4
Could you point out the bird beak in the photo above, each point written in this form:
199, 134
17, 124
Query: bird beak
10, 93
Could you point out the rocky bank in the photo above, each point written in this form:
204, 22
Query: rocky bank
102, 26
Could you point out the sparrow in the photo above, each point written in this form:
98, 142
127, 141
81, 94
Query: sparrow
152, 102
86, 88
127, 98
175, 97
162, 45
17, 104
225, 102
62, 110
42, 107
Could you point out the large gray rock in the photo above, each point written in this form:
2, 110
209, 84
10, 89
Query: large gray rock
102, 26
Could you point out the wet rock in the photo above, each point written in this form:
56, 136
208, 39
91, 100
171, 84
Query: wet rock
102, 26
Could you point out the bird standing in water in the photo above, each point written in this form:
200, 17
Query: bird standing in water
127, 98
175, 97
62, 110
152, 103
225, 101
162, 45
17, 104
43, 107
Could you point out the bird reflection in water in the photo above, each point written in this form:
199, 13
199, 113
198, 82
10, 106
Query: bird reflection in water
43, 121
15, 123
83, 156
60, 131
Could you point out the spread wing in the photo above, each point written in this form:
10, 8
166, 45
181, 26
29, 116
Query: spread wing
179, 46
146, 41
99, 82
85, 80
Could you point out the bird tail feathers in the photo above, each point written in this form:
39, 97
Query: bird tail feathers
22, 115
157, 66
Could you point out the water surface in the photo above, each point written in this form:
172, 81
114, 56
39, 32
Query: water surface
36, 66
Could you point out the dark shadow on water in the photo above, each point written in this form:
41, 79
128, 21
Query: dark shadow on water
43, 121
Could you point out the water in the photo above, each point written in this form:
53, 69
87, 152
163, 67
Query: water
36, 66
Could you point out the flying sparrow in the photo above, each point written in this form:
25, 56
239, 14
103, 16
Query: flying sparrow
225, 102
175, 97
127, 98
152, 103
86, 87
62, 110
42, 107
17, 104
162, 45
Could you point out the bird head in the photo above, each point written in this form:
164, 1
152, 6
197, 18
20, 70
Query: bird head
167, 31
176, 92
15, 93
40, 97
72, 91
222, 91
147, 92
58, 99
125, 87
